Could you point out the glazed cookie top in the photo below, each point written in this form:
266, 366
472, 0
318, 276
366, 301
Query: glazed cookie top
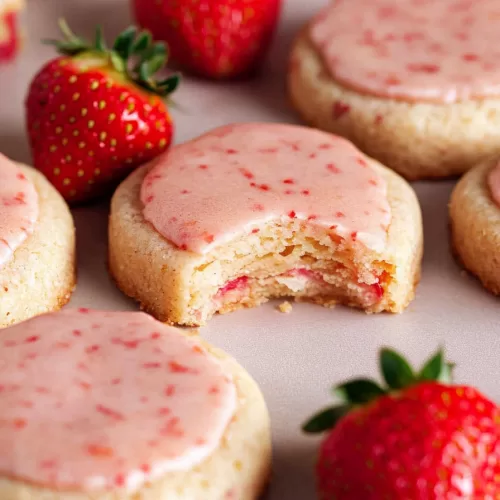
416, 50
18, 208
95, 400
494, 183
207, 191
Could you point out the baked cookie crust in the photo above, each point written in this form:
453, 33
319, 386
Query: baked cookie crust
41, 275
475, 226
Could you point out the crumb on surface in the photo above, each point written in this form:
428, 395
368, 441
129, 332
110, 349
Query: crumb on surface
285, 307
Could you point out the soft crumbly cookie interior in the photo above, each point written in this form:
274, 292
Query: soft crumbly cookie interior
289, 259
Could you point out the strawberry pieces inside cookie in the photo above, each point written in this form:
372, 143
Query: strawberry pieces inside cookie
18, 208
117, 395
415, 50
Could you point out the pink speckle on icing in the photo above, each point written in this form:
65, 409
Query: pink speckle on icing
107, 426
494, 184
18, 209
422, 51
238, 195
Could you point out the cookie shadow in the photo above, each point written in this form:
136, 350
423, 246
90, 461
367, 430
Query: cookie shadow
293, 470
15, 146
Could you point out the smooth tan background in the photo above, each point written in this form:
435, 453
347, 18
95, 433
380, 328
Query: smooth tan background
294, 357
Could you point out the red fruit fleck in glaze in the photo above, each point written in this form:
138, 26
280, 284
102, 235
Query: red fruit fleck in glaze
97, 450
470, 57
333, 168
247, 173
423, 68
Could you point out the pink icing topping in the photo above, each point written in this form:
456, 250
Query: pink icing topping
18, 208
494, 184
413, 49
92, 400
206, 191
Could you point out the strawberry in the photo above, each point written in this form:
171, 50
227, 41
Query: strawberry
95, 113
212, 38
419, 438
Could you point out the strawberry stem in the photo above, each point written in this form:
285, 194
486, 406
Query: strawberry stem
134, 54
398, 375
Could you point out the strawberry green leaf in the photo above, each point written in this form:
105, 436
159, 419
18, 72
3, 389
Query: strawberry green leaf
359, 391
142, 42
117, 62
433, 368
170, 84
396, 370
124, 41
325, 419
446, 376
100, 43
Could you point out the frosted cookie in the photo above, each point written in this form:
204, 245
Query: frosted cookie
100, 405
413, 83
253, 211
10, 37
37, 245
475, 223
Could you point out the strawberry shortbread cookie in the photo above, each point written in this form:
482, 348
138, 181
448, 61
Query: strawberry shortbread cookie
414, 83
248, 212
115, 405
37, 245
475, 223
10, 38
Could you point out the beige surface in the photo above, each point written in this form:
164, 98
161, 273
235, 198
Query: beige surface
419, 141
179, 287
294, 357
475, 226
239, 469
40, 276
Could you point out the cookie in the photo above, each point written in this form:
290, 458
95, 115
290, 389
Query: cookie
412, 83
475, 223
37, 245
249, 212
115, 405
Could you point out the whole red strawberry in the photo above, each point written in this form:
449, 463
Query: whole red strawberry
212, 38
96, 113
418, 439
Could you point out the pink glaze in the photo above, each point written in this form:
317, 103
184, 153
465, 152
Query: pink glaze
209, 190
92, 400
18, 208
494, 184
434, 50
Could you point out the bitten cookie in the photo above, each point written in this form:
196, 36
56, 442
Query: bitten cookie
113, 405
475, 223
249, 212
414, 84
37, 245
